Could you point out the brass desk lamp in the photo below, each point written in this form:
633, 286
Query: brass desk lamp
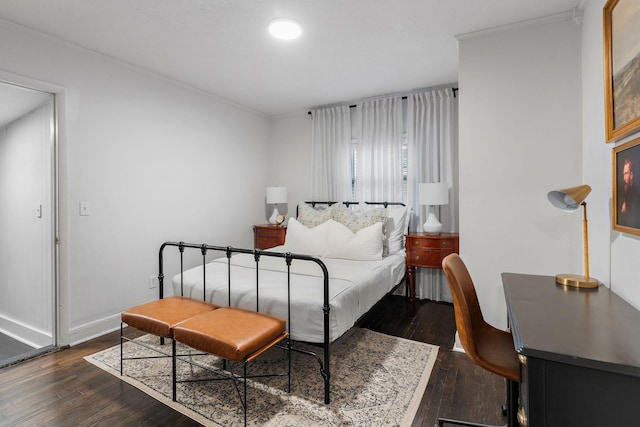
569, 199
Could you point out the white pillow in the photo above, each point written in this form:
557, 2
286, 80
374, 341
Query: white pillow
365, 245
360, 218
396, 228
304, 240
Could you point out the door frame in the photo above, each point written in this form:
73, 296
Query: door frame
60, 306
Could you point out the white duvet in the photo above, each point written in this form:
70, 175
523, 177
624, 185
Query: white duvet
354, 287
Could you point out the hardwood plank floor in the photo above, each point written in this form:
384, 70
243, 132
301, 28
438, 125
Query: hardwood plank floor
61, 389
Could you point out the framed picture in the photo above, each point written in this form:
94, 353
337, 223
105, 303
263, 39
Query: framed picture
621, 20
626, 187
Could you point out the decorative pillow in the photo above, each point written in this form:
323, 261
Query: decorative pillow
356, 220
310, 217
305, 240
365, 245
396, 226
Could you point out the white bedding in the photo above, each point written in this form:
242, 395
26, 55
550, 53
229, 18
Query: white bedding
354, 287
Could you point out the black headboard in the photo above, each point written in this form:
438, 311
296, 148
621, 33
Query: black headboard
384, 204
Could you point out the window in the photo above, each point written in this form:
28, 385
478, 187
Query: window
405, 165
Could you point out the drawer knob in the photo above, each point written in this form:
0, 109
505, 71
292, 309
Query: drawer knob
523, 359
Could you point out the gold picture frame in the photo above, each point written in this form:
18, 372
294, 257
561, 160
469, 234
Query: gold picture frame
621, 20
626, 187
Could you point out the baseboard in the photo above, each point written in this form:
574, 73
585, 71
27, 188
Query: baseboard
24, 333
94, 329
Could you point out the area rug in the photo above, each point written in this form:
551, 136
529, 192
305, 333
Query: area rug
376, 380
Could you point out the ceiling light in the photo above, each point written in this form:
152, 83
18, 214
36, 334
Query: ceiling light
285, 29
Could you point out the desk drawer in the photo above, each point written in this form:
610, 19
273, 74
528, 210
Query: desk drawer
430, 258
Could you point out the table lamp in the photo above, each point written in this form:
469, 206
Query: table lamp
433, 194
276, 195
569, 199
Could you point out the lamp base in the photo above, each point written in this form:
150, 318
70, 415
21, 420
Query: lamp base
432, 225
577, 281
274, 216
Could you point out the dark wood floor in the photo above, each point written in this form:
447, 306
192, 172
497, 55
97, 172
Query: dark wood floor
61, 389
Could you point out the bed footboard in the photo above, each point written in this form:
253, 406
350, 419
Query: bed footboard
288, 258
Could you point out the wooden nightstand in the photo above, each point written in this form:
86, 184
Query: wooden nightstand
427, 251
267, 236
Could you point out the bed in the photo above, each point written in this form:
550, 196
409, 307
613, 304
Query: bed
338, 261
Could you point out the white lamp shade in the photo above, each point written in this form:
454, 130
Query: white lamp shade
433, 193
276, 195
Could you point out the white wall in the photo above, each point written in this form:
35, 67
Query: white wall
26, 268
520, 128
612, 252
290, 157
156, 161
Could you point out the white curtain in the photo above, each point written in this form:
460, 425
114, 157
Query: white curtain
432, 123
379, 153
331, 154
429, 123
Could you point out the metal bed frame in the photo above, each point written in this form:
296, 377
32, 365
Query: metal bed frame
288, 257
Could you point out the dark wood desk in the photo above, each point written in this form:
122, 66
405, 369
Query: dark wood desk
579, 353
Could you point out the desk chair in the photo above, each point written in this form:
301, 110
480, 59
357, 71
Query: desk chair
488, 347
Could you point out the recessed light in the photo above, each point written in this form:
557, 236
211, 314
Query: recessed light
285, 29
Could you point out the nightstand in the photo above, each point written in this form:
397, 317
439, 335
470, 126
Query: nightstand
427, 251
267, 236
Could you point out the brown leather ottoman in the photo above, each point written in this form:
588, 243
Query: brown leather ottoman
159, 317
232, 334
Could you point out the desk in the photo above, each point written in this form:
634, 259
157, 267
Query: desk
579, 353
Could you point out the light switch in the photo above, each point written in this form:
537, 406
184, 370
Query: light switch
85, 209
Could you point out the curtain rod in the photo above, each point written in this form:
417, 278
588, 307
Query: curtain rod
453, 89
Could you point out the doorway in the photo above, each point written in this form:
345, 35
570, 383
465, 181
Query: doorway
28, 316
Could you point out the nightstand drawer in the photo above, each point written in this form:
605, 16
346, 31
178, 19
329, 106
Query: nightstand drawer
430, 258
262, 242
270, 232
447, 243
268, 236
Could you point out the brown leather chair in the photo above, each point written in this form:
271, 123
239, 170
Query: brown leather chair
489, 347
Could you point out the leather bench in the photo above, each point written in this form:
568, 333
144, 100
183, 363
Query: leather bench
232, 334
160, 317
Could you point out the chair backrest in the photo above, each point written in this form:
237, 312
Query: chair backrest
469, 319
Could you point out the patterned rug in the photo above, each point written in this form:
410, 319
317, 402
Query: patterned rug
376, 380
